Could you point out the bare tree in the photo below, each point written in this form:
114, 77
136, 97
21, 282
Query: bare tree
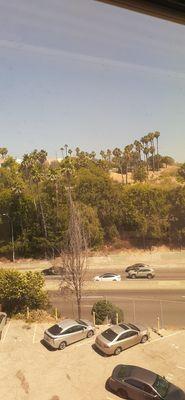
74, 256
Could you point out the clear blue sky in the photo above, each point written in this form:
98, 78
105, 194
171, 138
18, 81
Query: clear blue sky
89, 75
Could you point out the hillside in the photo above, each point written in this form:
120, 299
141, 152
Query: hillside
165, 176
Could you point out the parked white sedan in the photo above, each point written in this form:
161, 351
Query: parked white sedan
107, 278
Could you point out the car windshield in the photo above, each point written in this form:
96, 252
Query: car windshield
122, 371
134, 327
109, 334
55, 329
161, 386
79, 321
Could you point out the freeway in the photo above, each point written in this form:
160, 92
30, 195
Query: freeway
177, 273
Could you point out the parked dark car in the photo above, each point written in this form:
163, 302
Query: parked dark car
136, 267
54, 271
137, 383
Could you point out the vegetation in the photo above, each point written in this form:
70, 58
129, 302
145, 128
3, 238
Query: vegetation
105, 309
20, 290
34, 206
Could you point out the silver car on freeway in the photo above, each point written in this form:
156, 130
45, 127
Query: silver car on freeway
67, 332
120, 337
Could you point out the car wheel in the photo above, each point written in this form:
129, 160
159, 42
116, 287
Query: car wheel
144, 339
62, 345
121, 393
149, 276
117, 351
90, 334
133, 276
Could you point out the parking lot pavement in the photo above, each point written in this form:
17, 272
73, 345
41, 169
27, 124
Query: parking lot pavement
28, 370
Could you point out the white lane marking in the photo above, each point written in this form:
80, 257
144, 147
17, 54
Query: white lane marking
91, 297
7, 329
178, 366
164, 337
34, 333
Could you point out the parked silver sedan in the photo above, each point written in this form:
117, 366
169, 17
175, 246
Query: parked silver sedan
67, 332
120, 337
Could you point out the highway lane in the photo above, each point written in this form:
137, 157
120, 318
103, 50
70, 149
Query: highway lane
160, 273
142, 306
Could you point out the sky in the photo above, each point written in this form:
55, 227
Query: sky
87, 74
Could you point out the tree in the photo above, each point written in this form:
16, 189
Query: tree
3, 152
140, 173
181, 173
74, 255
105, 309
20, 290
167, 160
66, 147
62, 150
156, 135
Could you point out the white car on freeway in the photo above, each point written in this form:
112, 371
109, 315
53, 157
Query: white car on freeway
107, 278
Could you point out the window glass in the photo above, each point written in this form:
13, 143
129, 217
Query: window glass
161, 386
109, 334
55, 330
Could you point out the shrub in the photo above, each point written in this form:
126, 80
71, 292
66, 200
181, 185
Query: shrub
103, 309
20, 290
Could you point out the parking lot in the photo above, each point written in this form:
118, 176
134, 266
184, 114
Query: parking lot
28, 370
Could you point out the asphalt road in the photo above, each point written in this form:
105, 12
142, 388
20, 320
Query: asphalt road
164, 274
145, 307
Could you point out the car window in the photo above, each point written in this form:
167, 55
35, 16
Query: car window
140, 385
127, 335
109, 334
125, 327
73, 329
134, 327
55, 330
161, 386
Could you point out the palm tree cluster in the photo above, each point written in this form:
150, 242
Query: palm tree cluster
137, 158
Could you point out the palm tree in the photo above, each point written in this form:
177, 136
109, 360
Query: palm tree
66, 147
62, 150
102, 154
109, 152
77, 150
151, 136
146, 152
92, 155
156, 135
127, 156
138, 147
70, 152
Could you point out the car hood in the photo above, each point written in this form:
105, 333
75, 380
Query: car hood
174, 393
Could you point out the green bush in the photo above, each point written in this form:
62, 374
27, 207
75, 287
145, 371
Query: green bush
103, 309
21, 290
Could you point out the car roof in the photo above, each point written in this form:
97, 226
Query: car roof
139, 373
121, 328
67, 323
